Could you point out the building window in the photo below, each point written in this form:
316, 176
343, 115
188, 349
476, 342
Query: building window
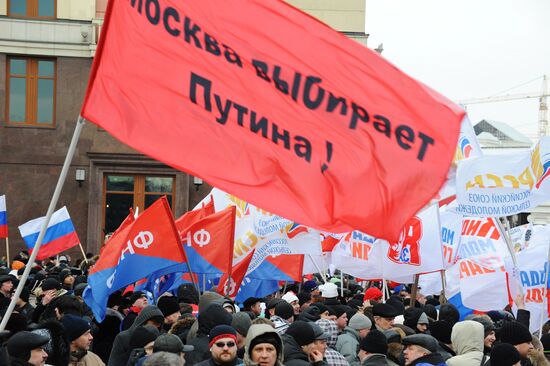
122, 192
31, 91
32, 8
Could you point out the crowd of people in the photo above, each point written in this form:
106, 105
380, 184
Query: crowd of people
309, 323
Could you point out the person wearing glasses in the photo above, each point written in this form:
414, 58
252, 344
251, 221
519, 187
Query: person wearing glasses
223, 347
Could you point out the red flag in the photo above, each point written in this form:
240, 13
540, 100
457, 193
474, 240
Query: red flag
237, 276
208, 243
189, 218
275, 107
127, 221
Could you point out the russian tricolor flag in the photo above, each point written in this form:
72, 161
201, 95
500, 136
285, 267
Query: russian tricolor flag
60, 234
3, 217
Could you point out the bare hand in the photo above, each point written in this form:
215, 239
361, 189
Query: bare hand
519, 301
48, 297
316, 356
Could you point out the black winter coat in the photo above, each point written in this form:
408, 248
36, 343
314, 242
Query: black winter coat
293, 354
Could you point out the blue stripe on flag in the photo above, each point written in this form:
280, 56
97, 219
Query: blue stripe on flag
53, 232
3, 218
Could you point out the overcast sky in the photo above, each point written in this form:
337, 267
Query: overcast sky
469, 49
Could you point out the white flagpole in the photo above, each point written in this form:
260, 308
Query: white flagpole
51, 209
318, 269
545, 298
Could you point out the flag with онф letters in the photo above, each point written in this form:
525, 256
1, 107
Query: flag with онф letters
275, 107
148, 244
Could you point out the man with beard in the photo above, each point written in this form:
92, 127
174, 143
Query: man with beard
80, 339
223, 347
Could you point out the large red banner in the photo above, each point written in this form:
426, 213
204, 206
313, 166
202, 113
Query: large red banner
273, 106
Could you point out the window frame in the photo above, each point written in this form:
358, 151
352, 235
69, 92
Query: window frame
138, 193
32, 11
31, 91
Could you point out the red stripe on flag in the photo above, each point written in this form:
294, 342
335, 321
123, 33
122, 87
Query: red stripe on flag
3, 231
58, 245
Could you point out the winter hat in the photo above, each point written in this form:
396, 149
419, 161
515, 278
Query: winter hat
170, 343
241, 322
269, 336
441, 330
136, 295
168, 305
284, 310
339, 310
143, 335
5, 278
290, 297
374, 342
392, 336
272, 303
423, 319
422, 340
221, 331
397, 304
449, 313
310, 314
79, 289
329, 290
302, 332
64, 274
303, 297
323, 308
17, 265
25, 294
320, 334
22, 343
355, 304
372, 293
384, 310
430, 311
74, 326
412, 317
248, 303
488, 325
514, 333
309, 286
504, 354
359, 321
50, 283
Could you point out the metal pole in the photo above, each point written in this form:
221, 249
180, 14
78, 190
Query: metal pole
341, 283
384, 297
319, 269
8, 260
51, 209
508, 239
443, 297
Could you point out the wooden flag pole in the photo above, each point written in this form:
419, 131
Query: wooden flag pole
443, 297
49, 213
8, 260
414, 291
83, 253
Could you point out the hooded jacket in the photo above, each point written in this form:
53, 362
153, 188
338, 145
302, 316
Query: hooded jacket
258, 330
467, 338
375, 359
294, 356
348, 346
213, 315
121, 346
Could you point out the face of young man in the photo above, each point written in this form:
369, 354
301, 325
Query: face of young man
38, 357
342, 321
6, 287
83, 342
172, 318
224, 350
320, 345
264, 354
141, 302
256, 308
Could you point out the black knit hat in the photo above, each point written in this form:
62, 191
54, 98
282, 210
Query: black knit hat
241, 322
303, 297
323, 308
441, 330
514, 333
284, 310
168, 305
142, 335
339, 309
50, 283
302, 332
136, 295
271, 338
374, 342
504, 354
75, 326
273, 302
248, 303
22, 343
